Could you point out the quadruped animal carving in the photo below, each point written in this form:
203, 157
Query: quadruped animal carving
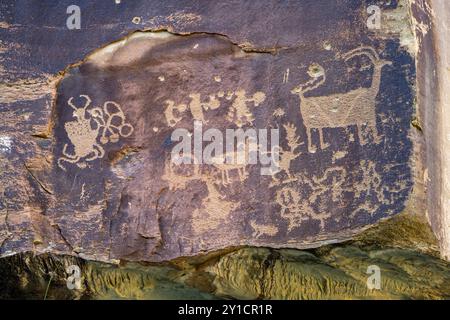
356, 107
287, 156
241, 166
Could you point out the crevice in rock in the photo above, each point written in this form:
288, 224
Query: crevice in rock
43, 187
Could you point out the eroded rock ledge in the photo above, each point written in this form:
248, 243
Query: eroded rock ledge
404, 249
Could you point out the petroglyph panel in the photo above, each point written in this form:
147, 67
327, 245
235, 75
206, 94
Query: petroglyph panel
340, 98
339, 115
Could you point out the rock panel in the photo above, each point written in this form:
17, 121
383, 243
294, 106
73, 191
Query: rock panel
335, 102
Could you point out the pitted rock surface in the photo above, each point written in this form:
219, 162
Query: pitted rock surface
98, 176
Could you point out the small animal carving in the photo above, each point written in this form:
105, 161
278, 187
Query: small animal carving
239, 112
263, 230
356, 107
83, 132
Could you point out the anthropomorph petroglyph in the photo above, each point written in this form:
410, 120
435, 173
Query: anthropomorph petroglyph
239, 112
356, 107
92, 128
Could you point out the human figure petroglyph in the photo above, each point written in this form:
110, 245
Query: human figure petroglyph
225, 167
370, 185
109, 124
356, 107
214, 208
297, 206
170, 112
331, 179
239, 112
197, 106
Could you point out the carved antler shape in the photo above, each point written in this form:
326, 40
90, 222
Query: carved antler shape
87, 103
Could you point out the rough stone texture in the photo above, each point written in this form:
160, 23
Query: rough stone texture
404, 248
442, 33
342, 96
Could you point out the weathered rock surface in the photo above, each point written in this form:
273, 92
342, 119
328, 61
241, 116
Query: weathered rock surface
433, 79
86, 153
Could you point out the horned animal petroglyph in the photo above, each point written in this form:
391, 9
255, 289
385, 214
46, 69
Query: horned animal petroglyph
287, 156
82, 136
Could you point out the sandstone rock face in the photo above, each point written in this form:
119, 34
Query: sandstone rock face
411, 271
87, 156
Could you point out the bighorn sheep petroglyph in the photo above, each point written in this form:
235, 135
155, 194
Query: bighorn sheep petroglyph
356, 107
